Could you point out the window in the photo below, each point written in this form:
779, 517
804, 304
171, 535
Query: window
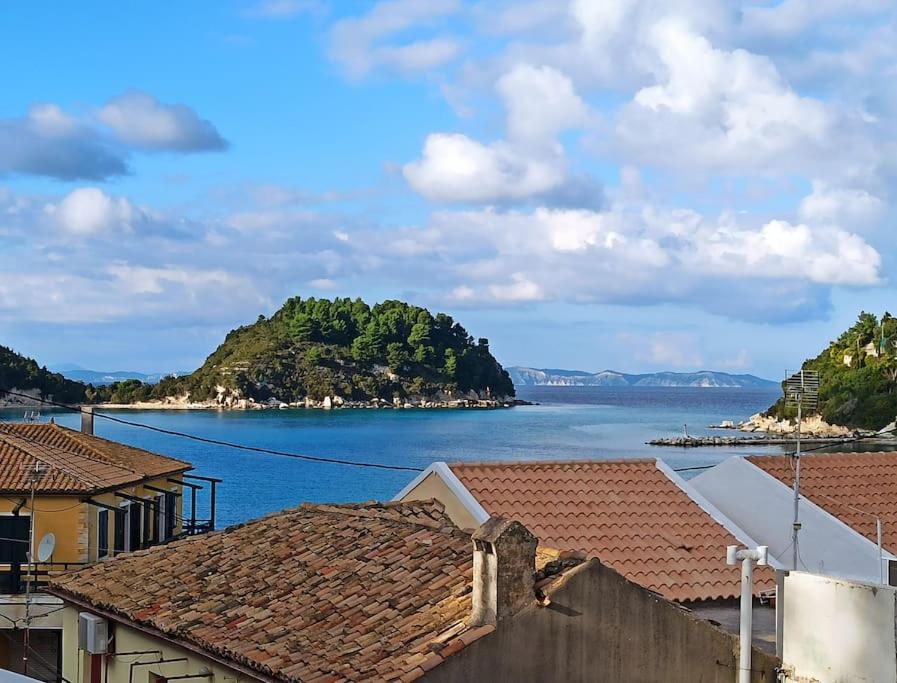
134, 515
102, 533
13, 530
120, 535
160, 518
171, 501
147, 524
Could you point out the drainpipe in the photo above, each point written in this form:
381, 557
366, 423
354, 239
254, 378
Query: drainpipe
747, 557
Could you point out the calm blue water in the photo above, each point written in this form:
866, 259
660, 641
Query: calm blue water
570, 422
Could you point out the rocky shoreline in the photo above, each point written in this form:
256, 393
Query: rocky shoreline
812, 426
328, 403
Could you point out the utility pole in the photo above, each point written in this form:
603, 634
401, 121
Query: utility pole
26, 638
795, 527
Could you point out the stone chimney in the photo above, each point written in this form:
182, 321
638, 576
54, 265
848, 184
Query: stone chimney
504, 559
87, 420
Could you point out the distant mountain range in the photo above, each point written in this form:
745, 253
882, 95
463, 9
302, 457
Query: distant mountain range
610, 378
99, 378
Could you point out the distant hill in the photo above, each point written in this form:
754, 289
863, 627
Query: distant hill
99, 378
522, 376
857, 375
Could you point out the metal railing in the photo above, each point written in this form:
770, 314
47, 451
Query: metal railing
14, 578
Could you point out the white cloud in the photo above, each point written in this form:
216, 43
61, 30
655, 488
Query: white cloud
540, 102
48, 142
359, 44
456, 168
139, 119
719, 109
88, 211
853, 207
791, 17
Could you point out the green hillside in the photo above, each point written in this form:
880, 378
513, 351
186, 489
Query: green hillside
344, 347
17, 372
857, 375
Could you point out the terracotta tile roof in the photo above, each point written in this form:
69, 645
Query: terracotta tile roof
854, 487
324, 592
73, 462
627, 513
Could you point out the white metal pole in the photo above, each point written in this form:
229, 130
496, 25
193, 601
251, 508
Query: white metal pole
795, 527
745, 634
747, 619
881, 569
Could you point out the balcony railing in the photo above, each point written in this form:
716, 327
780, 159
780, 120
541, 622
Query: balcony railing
14, 578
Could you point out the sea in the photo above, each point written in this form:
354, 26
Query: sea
565, 423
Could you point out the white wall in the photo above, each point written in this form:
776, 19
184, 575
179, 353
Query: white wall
764, 507
836, 630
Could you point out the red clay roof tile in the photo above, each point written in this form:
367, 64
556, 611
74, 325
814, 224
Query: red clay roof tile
854, 487
350, 592
73, 462
627, 513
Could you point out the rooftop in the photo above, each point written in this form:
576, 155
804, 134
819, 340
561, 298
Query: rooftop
72, 462
630, 514
854, 487
349, 592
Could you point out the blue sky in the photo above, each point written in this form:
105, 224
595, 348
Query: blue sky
637, 185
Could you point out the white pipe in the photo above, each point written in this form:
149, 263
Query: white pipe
747, 557
881, 568
747, 620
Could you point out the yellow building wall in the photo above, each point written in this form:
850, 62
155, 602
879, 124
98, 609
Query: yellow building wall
432, 487
118, 668
74, 523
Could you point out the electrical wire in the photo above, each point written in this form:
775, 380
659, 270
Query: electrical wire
227, 444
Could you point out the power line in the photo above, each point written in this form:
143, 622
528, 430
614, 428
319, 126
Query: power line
226, 444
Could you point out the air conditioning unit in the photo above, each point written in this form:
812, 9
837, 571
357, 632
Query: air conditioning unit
93, 634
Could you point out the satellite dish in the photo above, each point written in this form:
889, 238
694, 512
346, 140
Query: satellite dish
46, 547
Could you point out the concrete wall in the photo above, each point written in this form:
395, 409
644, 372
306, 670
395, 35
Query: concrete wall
764, 507
838, 631
76, 667
601, 627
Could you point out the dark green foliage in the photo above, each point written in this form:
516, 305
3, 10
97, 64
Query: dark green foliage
862, 394
321, 347
21, 373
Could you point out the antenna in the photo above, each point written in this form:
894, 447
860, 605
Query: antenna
801, 390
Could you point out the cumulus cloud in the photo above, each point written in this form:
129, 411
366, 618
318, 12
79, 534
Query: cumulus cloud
719, 109
855, 207
530, 163
751, 271
791, 17
48, 142
361, 44
140, 120
51, 142
89, 210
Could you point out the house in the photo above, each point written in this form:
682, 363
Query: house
381, 592
845, 499
636, 516
871, 349
75, 499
